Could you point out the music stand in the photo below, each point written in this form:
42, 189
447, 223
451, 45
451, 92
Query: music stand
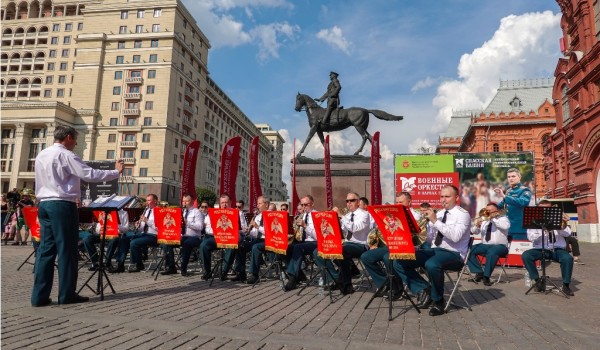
112, 203
544, 218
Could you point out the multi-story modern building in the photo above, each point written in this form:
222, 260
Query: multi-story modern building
572, 151
130, 76
517, 119
275, 188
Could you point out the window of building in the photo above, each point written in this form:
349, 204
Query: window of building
118, 75
67, 39
128, 137
68, 27
174, 159
113, 121
145, 154
136, 74
145, 137
519, 146
133, 105
123, 30
136, 58
147, 121
496, 147
52, 53
110, 154
155, 28
140, 13
127, 153
54, 40
127, 171
137, 44
139, 28
62, 79
49, 79
116, 90
65, 53
80, 26
134, 89
154, 43
56, 27
565, 103
150, 89
63, 66
131, 121
121, 45
60, 92
112, 138
177, 126
176, 143
157, 12
153, 58
143, 171
120, 60
47, 93
149, 105
124, 14
151, 74
114, 106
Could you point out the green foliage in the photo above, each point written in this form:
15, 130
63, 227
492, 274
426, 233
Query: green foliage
204, 194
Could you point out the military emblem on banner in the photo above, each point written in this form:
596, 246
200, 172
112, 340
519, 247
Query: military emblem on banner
168, 225
276, 238
31, 218
112, 230
329, 235
225, 224
396, 224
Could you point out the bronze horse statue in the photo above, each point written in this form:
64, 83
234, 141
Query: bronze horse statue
340, 119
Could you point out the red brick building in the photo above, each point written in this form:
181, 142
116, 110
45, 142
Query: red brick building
517, 119
572, 152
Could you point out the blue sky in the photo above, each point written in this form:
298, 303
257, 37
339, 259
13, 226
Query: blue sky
420, 59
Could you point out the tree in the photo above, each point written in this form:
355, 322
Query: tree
205, 194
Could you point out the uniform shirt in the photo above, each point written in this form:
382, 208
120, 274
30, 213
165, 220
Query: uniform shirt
58, 171
194, 222
359, 225
311, 233
243, 225
455, 230
535, 236
500, 226
516, 198
151, 227
123, 223
260, 231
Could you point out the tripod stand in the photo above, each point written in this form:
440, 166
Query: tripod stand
276, 265
218, 266
321, 272
389, 283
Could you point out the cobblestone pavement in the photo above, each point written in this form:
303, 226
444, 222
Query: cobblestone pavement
185, 313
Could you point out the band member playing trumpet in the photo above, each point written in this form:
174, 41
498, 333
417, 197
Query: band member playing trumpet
372, 258
516, 197
306, 245
494, 239
448, 251
356, 225
555, 248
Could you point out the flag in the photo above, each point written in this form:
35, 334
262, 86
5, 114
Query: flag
225, 226
255, 189
230, 158
188, 177
168, 225
396, 225
276, 231
329, 235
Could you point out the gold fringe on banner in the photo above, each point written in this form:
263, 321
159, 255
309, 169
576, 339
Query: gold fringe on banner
227, 246
276, 251
168, 242
403, 256
331, 256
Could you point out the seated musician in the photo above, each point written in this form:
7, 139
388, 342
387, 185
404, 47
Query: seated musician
306, 245
555, 248
209, 244
192, 224
494, 240
146, 236
448, 251
363, 204
372, 257
430, 230
91, 239
356, 225
255, 242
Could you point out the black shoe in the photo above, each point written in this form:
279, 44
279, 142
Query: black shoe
223, 276
93, 268
478, 277
78, 299
355, 271
15, 243
486, 281
291, 284
333, 286
184, 273
120, 268
437, 309
539, 285
135, 268
252, 279
396, 295
43, 303
565, 289
144, 256
172, 271
239, 277
302, 277
206, 277
347, 290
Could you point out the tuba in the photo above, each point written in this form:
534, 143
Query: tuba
375, 239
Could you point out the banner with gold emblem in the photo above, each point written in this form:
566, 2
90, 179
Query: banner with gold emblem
329, 235
31, 219
112, 230
394, 225
276, 226
225, 224
168, 225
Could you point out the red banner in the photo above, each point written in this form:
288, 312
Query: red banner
328, 185
225, 225
112, 230
31, 219
168, 225
188, 177
230, 158
375, 173
425, 187
393, 223
276, 227
255, 190
295, 198
329, 235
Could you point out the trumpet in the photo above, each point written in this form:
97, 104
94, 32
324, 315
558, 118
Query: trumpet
485, 215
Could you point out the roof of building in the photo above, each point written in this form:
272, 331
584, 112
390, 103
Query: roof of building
459, 123
520, 95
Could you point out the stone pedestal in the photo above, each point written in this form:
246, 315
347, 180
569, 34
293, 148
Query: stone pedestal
348, 174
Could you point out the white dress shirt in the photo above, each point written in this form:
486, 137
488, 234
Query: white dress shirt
243, 225
535, 236
58, 172
194, 222
152, 230
358, 223
311, 233
455, 230
260, 231
500, 226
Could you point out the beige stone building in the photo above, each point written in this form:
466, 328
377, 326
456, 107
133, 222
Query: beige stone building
275, 188
131, 76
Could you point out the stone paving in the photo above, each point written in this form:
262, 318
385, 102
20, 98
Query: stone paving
185, 313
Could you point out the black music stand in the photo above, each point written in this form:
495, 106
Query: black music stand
112, 203
277, 265
544, 218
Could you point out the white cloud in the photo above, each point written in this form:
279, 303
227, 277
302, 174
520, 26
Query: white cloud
425, 83
524, 46
267, 37
335, 38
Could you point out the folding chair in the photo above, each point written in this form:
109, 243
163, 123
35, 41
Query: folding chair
456, 284
503, 262
364, 276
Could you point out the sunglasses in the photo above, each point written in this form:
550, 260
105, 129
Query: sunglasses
238, 206
305, 204
351, 200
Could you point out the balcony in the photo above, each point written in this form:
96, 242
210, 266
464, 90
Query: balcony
187, 122
39, 140
188, 109
128, 144
131, 111
189, 92
133, 96
134, 80
8, 141
126, 179
128, 160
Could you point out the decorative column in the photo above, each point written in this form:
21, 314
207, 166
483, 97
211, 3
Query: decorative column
20, 153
